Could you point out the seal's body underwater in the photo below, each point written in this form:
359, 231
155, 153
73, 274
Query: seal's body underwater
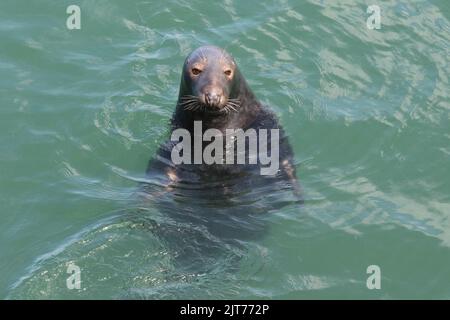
214, 92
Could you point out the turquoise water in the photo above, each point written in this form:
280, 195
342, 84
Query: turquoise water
367, 112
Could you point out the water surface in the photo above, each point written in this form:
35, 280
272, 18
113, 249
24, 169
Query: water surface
367, 113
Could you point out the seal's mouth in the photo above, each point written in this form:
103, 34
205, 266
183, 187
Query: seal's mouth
213, 100
209, 104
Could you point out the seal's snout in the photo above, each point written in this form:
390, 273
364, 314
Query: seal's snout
213, 98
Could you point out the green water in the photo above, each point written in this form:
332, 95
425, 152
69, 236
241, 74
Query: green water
367, 112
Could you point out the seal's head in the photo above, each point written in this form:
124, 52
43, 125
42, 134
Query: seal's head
210, 81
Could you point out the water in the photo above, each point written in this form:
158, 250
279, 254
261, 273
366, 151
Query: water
367, 112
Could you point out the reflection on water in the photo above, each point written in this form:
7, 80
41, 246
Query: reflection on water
184, 242
366, 111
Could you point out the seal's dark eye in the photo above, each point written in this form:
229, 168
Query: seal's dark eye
196, 71
227, 72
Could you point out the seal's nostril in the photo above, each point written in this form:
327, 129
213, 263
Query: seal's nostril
212, 98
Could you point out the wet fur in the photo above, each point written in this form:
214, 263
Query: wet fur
250, 113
